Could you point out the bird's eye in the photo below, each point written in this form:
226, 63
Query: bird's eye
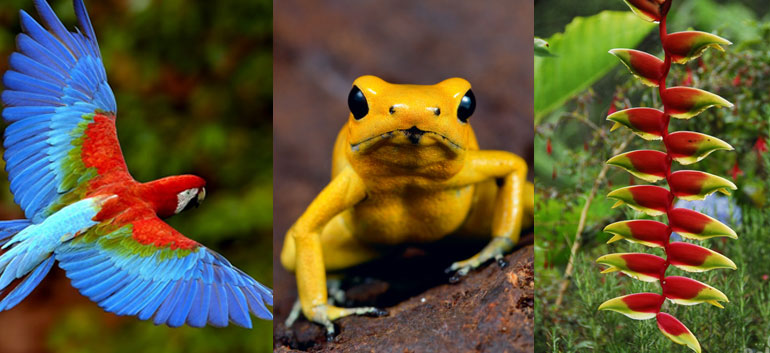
357, 103
467, 106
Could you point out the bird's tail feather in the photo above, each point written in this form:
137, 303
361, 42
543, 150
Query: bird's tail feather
22, 265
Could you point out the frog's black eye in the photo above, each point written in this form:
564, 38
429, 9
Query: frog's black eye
357, 103
467, 106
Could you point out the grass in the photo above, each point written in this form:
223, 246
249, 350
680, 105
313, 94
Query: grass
743, 326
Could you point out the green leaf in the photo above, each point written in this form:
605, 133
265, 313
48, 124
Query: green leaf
582, 56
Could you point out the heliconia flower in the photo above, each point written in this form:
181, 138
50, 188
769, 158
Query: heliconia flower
687, 291
612, 109
760, 146
644, 267
650, 199
646, 67
688, 79
687, 102
695, 185
648, 10
548, 148
694, 258
647, 165
648, 123
695, 225
688, 45
687, 147
646, 232
735, 171
639, 306
677, 332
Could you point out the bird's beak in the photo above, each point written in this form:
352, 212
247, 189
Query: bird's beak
201, 195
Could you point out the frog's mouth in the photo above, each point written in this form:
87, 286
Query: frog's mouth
413, 135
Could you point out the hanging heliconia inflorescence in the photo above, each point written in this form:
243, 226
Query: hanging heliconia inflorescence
684, 147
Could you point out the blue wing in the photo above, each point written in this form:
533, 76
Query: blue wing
170, 280
55, 84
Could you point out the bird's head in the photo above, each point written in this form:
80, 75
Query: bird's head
174, 194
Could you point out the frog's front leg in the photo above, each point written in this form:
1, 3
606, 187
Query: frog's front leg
345, 190
511, 200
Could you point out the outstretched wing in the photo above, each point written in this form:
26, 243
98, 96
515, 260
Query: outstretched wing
148, 269
61, 113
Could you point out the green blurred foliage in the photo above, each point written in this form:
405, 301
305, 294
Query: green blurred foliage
578, 63
193, 82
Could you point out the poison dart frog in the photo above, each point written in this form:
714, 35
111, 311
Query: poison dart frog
406, 168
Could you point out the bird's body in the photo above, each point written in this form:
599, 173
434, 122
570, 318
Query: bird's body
83, 207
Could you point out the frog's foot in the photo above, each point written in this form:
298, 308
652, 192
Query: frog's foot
494, 250
325, 314
296, 309
336, 293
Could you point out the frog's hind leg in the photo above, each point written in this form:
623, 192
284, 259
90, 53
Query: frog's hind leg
336, 297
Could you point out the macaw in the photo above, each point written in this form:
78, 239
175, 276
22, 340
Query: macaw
85, 211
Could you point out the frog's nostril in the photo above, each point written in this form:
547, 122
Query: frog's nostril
436, 111
392, 109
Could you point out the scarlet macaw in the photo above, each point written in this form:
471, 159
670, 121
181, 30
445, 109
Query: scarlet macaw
84, 209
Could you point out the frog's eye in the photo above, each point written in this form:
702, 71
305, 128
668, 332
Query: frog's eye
467, 106
357, 103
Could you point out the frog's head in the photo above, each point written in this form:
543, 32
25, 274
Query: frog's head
410, 125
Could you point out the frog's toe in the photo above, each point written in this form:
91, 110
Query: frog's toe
461, 271
501, 261
293, 314
330, 332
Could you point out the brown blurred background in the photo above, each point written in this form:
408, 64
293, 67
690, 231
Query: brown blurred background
321, 47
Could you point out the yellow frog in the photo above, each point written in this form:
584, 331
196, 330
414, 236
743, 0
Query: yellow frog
406, 169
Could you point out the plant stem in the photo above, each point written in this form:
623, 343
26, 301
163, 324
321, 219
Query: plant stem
581, 224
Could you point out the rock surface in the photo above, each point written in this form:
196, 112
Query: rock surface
490, 310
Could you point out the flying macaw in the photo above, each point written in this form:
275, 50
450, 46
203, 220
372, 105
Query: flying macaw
83, 208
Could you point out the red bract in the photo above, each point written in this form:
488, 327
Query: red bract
686, 102
639, 306
642, 231
644, 267
694, 185
696, 225
685, 46
647, 165
677, 332
685, 147
648, 10
652, 200
548, 148
648, 68
694, 258
648, 123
